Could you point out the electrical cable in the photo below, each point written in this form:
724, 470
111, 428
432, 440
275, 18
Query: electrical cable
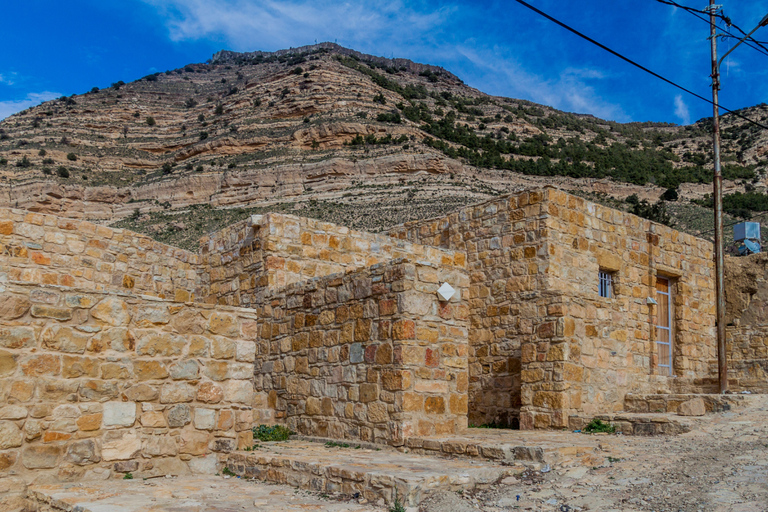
627, 59
726, 20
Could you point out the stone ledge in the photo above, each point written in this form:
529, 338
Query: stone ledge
375, 474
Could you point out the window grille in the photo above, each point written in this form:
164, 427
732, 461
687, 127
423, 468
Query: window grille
606, 284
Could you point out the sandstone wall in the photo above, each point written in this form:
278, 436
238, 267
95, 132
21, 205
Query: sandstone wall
266, 252
45, 249
543, 344
370, 355
97, 383
612, 339
509, 307
746, 293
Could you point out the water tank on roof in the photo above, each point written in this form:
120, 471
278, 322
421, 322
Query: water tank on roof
747, 237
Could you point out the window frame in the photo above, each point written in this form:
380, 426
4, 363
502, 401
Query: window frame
606, 283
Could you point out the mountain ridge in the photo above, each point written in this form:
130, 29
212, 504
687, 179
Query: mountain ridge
327, 131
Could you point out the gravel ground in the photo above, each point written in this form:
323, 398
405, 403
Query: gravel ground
722, 466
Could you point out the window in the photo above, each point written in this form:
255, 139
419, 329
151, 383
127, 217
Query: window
605, 287
664, 326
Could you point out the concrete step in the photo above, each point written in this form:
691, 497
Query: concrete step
373, 473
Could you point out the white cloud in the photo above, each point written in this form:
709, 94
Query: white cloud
8, 78
247, 25
570, 91
10, 107
681, 110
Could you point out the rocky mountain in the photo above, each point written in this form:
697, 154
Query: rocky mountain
329, 132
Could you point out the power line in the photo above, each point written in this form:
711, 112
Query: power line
726, 20
627, 59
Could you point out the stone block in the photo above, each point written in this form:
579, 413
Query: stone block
356, 353
377, 412
222, 348
111, 311
193, 442
223, 324
177, 392
83, 452
434, 405
693, 407
34, 366
119, 414
41, 456
159, 343
120, 445
65, 339
41, 311
148, 316
160, 446
149, 370
16, 337
141, 393
184, 370
369, 392
7, 460
89, 422
404, 329
210, 393
8, 364
179, 415
10, 435
13, 306
205, 419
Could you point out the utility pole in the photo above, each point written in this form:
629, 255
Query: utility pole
722, 356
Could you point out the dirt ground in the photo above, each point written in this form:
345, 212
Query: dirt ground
722, 466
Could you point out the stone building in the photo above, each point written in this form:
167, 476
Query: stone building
121, 353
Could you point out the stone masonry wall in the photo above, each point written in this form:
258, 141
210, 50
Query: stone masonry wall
509, 308
608, 347
267, 252
98, 383
746, 294
543, 344
370, 355
45, 249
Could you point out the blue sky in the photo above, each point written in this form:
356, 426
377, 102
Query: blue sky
54, 48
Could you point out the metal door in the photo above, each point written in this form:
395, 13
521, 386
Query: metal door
664, 325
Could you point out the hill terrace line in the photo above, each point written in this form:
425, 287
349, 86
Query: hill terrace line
121, 354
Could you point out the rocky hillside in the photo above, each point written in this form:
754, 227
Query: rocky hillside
332, 133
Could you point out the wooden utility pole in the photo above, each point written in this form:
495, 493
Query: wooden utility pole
722, 356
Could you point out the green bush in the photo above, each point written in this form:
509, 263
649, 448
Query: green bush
62, 172
71, 157
3, 161
389, 117
203, 135
219, 110
267, 433
167, 168
24, 162
597, 425
151, 121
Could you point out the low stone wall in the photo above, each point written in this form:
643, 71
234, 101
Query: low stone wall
370, 355
247, 260
96, 383
45, 249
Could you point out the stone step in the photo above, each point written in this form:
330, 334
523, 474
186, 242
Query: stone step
373, 473
670, 403
199, 493
641, 424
